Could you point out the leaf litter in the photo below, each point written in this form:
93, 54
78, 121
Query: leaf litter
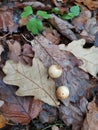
74, 109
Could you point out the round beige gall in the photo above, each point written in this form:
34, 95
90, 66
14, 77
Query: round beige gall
62, 92
55, 71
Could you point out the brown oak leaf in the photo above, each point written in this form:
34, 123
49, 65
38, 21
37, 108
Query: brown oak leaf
32, 81
91, 120
18, 109
74, 78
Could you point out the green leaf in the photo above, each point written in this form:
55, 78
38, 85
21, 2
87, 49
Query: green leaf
55, 10
75, 10
43, 14
67, 16
27, 11
34, 25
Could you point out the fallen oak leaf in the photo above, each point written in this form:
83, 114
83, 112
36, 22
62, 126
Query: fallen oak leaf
25, 56
32, 81
91, 120
76, 79
88, 56
72, 76
14, 50
91, 4
18, 109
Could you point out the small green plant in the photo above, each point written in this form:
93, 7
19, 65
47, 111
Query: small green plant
34, 24
73, 12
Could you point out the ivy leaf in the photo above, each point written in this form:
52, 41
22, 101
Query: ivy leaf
27, 11
43, 14
75, 10
67, 16
34, 25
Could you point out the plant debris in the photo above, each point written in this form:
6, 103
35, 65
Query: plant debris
35, 35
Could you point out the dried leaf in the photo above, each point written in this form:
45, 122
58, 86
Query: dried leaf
62, 26
72, 115
2, 121
18, 109
27, 54
88, 56
91, 4
90, 30
73, 77
6, 21
48, 114
14, 50
32, 81
52, 35
91, 120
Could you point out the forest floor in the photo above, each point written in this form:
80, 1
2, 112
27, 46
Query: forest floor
37, 35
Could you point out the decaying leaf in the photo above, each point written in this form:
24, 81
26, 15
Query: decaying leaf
48, 114
88, 56
91, 4
62, 26
73, 77
52, 35
72, 115
6, 21
14, 50
2, 121
90, 30
91, 120
20, 53
18, 109
27, 54
32, 81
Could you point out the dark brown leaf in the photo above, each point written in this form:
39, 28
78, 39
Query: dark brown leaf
18, 109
